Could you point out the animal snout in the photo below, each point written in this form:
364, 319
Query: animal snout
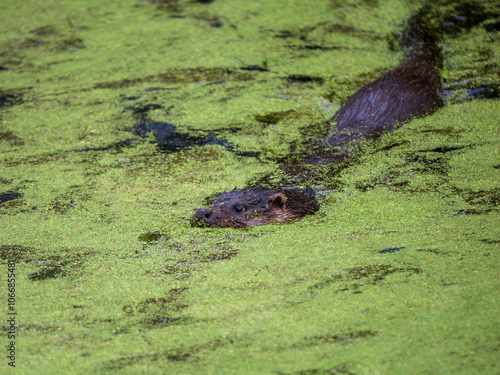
201, 218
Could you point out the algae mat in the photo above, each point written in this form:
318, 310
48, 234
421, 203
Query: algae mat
119, 119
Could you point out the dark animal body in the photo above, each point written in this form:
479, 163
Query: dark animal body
406, 92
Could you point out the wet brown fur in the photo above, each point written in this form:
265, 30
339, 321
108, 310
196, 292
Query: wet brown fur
256, 206
406, 92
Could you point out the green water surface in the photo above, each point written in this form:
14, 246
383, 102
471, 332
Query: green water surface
396, 274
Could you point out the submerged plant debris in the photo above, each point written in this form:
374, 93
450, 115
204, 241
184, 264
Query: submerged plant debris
119, 119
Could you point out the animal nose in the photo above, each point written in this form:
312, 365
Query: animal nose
201, 218
204, 214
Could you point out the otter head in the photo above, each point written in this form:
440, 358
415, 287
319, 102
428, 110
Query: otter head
256, 206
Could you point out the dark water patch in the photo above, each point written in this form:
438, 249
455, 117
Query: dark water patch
339, 369
56, 265
255, 68
161, 321
10, 199
275, 117
422, 162
170, 140
32, 327
202, 75
285, 34
213, 20
466, 91
124, 98
69, 44
30, 42
187, 75
155, 305
488, 198
130, 360
446, 131
10, 137
218, 81
152, 237
225, 254
159, 312
44, 30
8, 196
48, 272
71, 199
216, 24
177, 354
125, 82
13, 204
391, 146
12, 97
171, 6
490, 241
19, 253
485, 92
304, 78
465, 16
4, 98
445, 149
469, 211
372, 274
43, 37
391, 250
141, 110
15, 253
434, 251
312, 46
244, 154
492, 27
181, 269
150, 89
346, 338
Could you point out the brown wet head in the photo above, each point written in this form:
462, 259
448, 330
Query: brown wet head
256, 206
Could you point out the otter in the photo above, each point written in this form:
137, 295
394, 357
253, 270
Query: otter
409, 91
256, 206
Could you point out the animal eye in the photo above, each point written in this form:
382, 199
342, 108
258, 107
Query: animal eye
239, 208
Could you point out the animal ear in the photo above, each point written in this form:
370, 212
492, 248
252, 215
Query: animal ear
277, 199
